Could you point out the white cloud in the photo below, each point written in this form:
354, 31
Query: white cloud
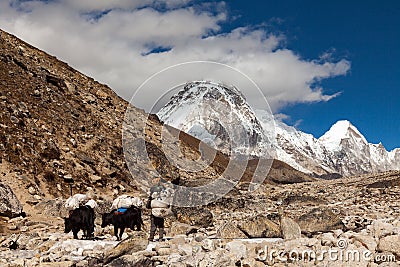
113, 47
297, 123
281, 116
101, 5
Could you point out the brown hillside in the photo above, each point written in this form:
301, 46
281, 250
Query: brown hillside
57, 123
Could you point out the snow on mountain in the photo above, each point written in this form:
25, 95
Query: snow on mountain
352, 152
303, 149
341, 130
394, 158
220, 116
342, 149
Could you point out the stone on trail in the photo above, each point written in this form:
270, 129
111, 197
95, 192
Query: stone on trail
289, 228
178, 228
319, 220
390, 243
230, 231
132, 244
134, 260
260, 226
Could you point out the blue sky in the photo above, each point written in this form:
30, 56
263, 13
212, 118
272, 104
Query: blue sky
367, 33
300, 53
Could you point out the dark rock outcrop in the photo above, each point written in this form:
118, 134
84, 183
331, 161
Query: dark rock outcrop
230, 231
9, 203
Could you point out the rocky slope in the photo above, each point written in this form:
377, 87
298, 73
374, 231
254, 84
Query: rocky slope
57, 123
342, 150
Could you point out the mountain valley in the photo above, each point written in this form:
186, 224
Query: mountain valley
61, 132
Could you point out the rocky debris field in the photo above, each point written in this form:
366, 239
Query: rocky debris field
346, 222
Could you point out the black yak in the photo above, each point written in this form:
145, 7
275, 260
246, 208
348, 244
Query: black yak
129, 219
81, 218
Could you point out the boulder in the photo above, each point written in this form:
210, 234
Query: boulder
208, 245
260, 226
178, 228
199, 216
52, 207
185, 250
367, 241
132, 244
216, 258
390, 244
289, 228
9, 203
163, 248
230, 231
237, 250
381, 228
328, 239
319, 220
135, 260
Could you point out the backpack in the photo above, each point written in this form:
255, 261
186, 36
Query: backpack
160, 203
162, 199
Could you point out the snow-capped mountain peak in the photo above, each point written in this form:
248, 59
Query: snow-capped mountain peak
218, 115
212, 112
340, 131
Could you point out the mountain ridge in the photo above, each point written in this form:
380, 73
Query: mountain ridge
342, 149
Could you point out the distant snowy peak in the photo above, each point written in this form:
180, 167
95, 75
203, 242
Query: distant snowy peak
198, 93
340, 131
342, 149
217, 114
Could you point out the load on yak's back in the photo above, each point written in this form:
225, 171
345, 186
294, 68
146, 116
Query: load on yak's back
78, 200
125, 202
126, 212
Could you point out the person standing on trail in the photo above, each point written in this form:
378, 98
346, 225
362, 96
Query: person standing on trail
159, 202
